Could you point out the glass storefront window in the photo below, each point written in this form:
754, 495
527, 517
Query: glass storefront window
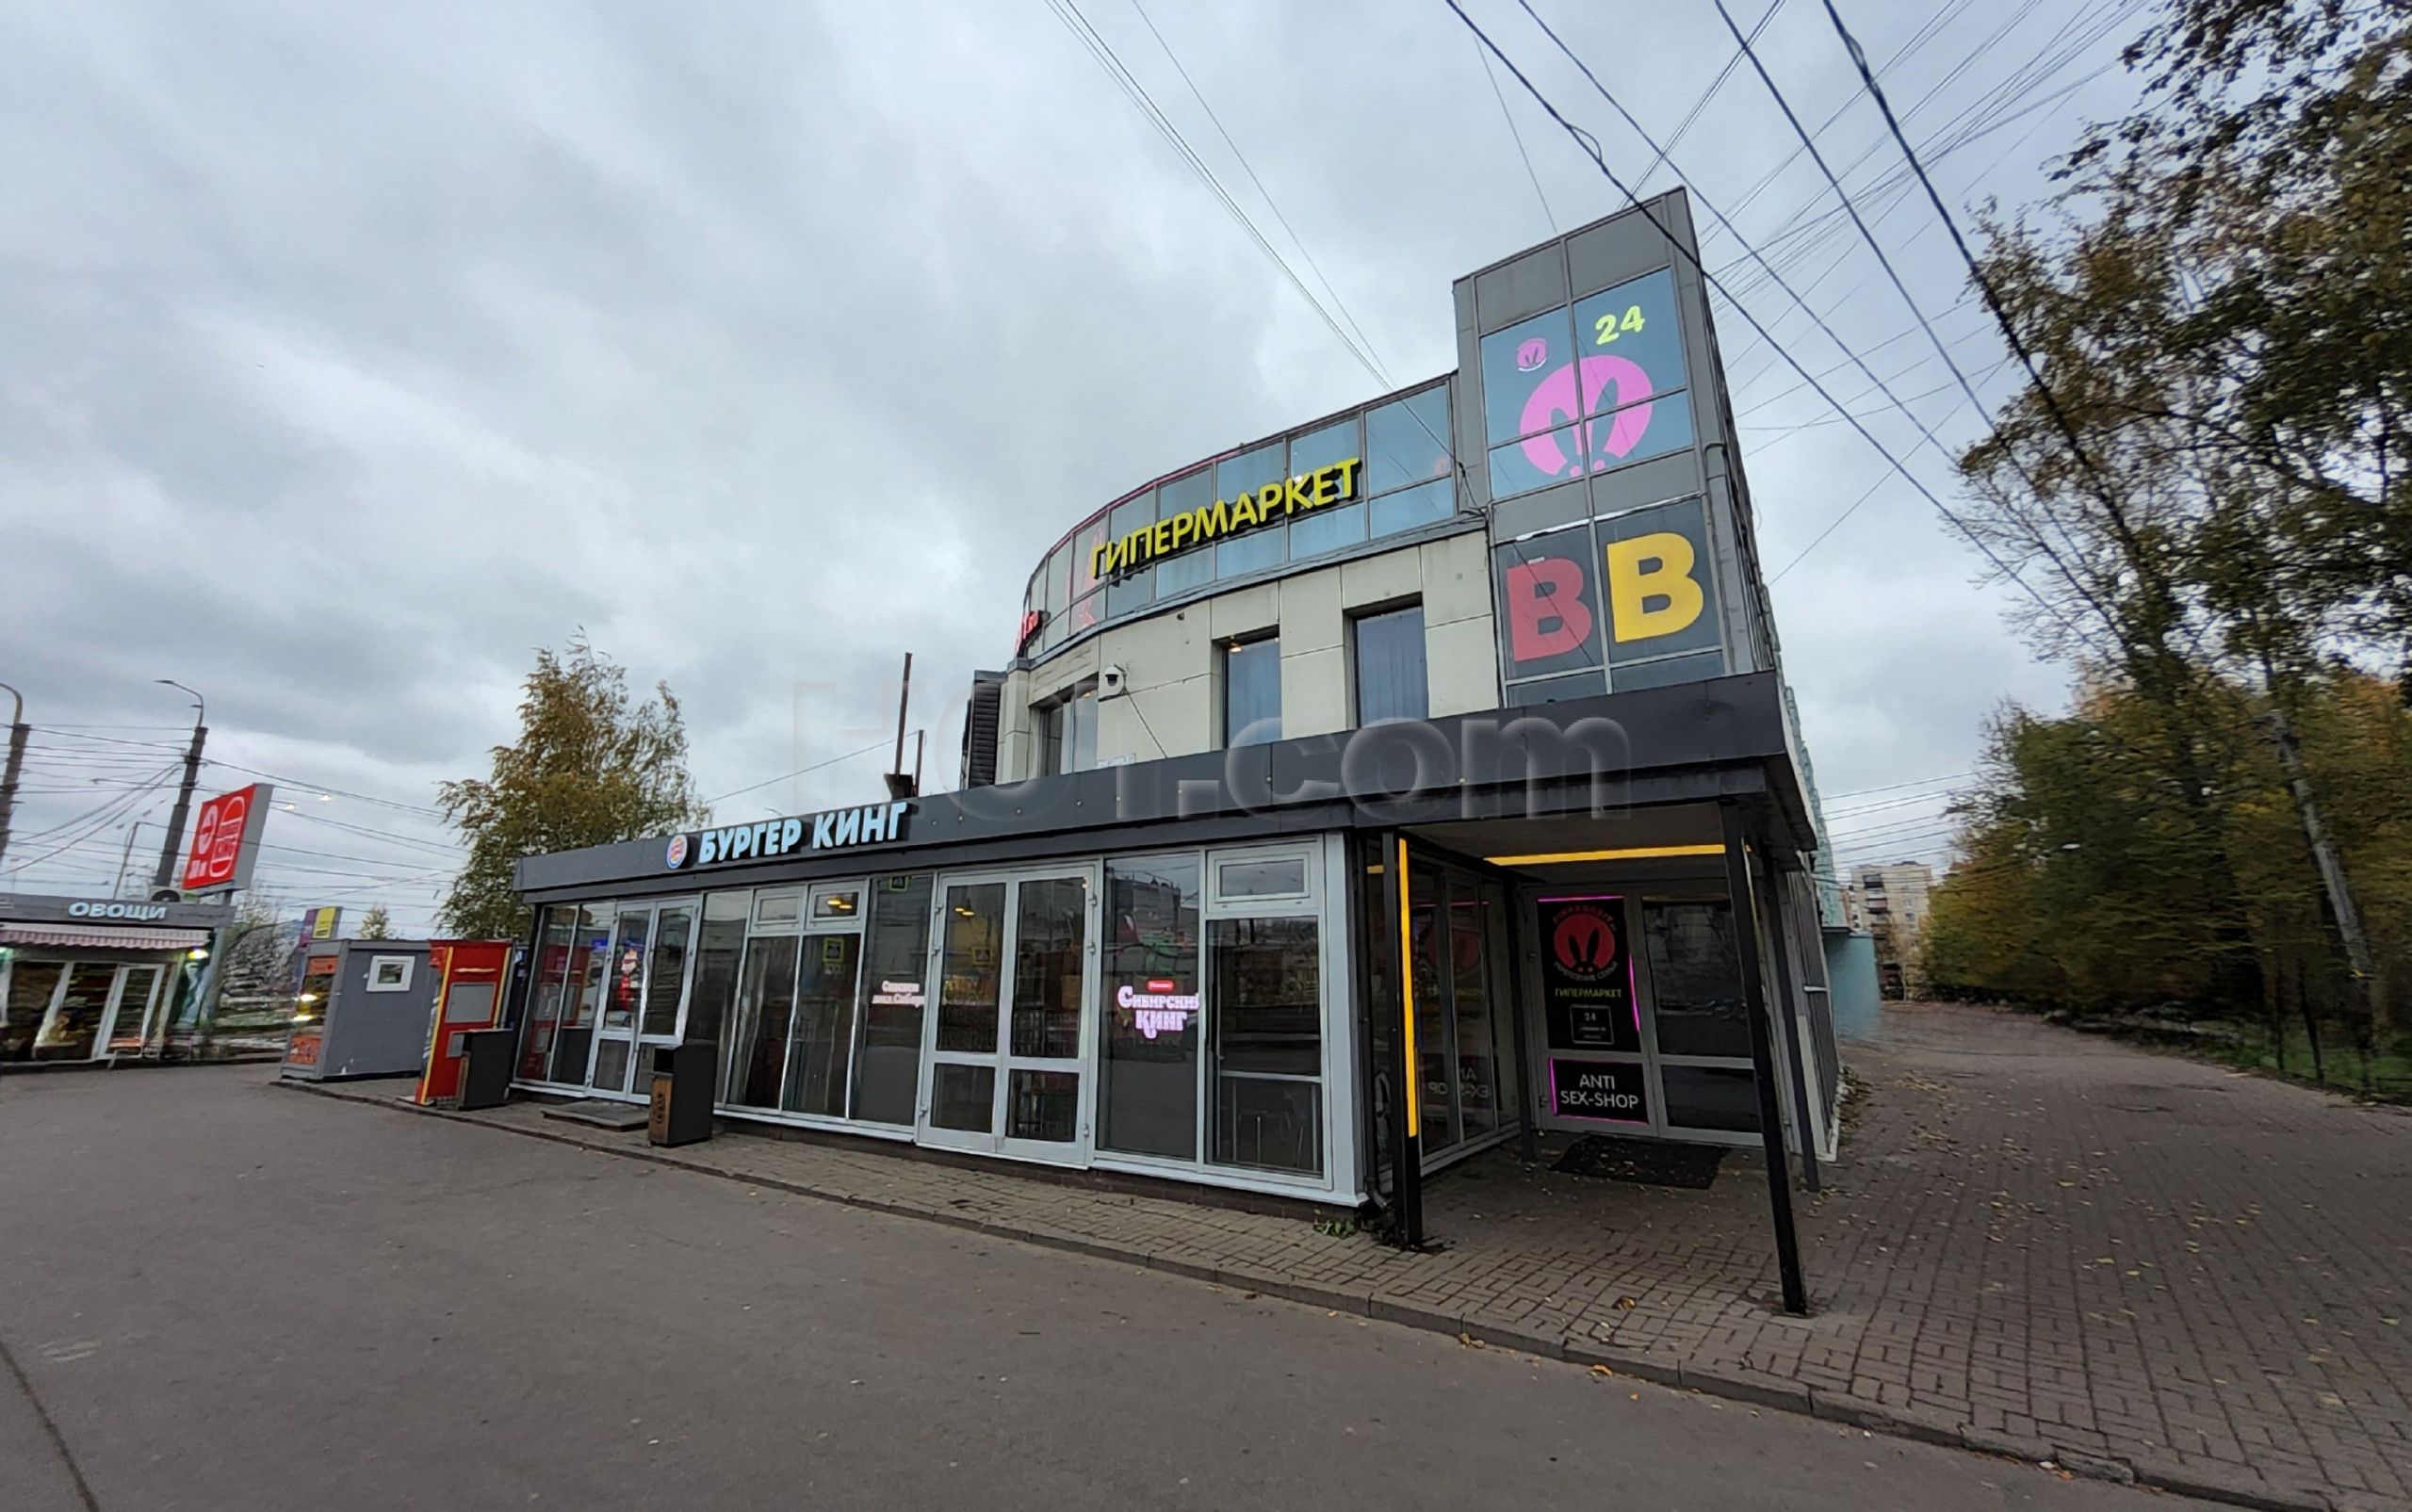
1435, 1076
666, 975
896, 941
969, 981
719, 948
1265, 1023
1050, 931
1280, 876
1474, 949
1710, 1097
756, 1058
820, 1046
582, 992
773, 909
73, 1026
1148, 1092
625, 992
545, 995
963, 1096
1406, 442
31, 985
1696, 978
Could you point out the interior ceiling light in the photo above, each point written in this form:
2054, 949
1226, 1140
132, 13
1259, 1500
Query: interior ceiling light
1630, 852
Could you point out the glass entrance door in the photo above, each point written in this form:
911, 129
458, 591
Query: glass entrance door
615, 1035
1016, 970
138, 989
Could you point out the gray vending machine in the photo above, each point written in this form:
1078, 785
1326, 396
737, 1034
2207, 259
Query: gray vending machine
362, 1010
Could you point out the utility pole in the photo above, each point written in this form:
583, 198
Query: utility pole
125, 858
165, 877
2332, 866
899, 783
16, 764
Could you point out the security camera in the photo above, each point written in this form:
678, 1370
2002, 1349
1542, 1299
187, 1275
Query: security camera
1112, 683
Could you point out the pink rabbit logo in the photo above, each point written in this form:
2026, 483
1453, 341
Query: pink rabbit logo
1603, 382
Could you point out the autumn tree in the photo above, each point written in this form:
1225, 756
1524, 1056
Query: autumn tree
591, 766
374, 924
2203, 480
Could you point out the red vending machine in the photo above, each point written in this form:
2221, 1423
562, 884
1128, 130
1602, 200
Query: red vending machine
469, 976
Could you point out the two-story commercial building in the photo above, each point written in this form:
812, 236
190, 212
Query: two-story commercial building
1414, 779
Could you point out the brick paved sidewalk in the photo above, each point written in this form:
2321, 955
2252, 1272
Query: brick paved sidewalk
2038, 1244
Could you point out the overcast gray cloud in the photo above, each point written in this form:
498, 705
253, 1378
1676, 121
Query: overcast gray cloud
352, 352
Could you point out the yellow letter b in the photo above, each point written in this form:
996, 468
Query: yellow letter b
1650, 589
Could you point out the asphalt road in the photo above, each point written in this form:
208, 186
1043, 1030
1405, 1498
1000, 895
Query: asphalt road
216, 1292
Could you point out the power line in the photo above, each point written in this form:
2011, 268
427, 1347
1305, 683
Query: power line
1517, 136
797, 772
1893, 787
1270, 203
1902, 288
1660, 157
1975, 270
1068, 13
1591, 147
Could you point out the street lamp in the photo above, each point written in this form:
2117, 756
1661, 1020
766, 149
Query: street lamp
198, 703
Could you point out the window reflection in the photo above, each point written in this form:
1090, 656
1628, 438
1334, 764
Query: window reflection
1147, 1095
1696, 978
1389, 671
1252, 692
1406, 442
895, 945
1267, 1024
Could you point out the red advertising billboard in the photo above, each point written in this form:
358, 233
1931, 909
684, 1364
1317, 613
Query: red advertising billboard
226, 840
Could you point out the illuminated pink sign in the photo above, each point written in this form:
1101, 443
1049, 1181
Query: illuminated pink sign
1159, 1010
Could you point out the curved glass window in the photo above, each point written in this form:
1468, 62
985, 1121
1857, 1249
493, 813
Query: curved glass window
1407, 442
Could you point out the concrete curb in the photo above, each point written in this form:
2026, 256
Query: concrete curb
2234, 1486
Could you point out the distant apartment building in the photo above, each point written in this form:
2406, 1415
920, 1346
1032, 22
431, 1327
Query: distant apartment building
1893, 901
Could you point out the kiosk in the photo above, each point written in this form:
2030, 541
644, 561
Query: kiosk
362, 1010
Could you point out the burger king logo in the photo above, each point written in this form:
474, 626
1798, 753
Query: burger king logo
675, 857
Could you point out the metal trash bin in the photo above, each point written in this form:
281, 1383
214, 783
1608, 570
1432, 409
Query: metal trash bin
680, 1112
486, 1082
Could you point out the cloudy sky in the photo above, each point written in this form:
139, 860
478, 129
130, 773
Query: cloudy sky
350, 354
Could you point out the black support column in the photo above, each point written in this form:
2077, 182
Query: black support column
1762, 1073
1781, 937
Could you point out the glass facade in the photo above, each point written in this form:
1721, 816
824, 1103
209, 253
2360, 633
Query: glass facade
1586, 388
1405, 477
1148, 1066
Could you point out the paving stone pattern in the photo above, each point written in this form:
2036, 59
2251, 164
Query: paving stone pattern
2038, 1243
